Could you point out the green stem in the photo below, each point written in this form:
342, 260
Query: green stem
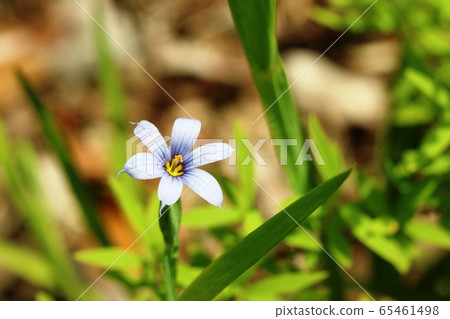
170, 226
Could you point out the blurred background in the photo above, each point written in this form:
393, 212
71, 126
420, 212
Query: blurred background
67, 93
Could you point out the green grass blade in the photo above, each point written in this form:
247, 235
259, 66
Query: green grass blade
26, 264
229, 266
247, 188
329, 150
18, 168
130, 204
208, 217
255, 21
109, 79
104, 257
433, 234
53, 136
277, 286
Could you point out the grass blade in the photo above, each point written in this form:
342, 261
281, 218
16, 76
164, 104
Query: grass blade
255, 21
54, 138
18, 168
229, 266
26, 264
109, 79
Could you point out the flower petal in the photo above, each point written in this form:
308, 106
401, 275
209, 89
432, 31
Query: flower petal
169, 190
184, 135
152, 139
204, 184
209, 153
143, 166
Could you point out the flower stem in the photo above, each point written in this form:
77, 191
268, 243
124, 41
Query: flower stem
170, 226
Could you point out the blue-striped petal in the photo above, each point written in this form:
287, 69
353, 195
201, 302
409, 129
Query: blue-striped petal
152, 139
143, 166
204, 184
209, 153
169, 190
184, 135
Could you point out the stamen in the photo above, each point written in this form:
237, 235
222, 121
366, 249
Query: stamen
175, 166
179, 158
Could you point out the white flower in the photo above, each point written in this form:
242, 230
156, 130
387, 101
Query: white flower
177, 164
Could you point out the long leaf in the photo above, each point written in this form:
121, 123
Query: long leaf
109, 77
253, 247
53, 135
255, 21
18, 167
26, 264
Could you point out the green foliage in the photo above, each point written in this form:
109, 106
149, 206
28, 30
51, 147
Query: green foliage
109, 256
254, 246
338, 246
211, 217
399, 211
132, 207
429, 87
109, 78
378, 235
169, 223
246, 189
430, 233
301, 240
277, 286
329, 150
255, 23
26, 264
18, 170
53, 135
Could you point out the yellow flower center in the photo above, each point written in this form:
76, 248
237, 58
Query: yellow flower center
175, 166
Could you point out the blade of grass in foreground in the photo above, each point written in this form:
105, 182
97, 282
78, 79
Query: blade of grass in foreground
224, 270
18, 163
53, 136
255, 21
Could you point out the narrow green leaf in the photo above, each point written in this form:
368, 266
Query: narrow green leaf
328, 18
438, 166
329, 150
210, 217
106, 256
339, 248
252, 220
415, 195
132, 207
398, 253
26, 264
247, 189
301, 240
109, 77
18, 166
437, 141
229, 266
255, 21
389, 249
275, 286
429, 87
187, 273
53, 135
412, 114
429, 233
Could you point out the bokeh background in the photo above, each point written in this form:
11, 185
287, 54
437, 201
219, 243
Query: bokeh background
380, 93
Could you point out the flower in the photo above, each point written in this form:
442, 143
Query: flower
177, 165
